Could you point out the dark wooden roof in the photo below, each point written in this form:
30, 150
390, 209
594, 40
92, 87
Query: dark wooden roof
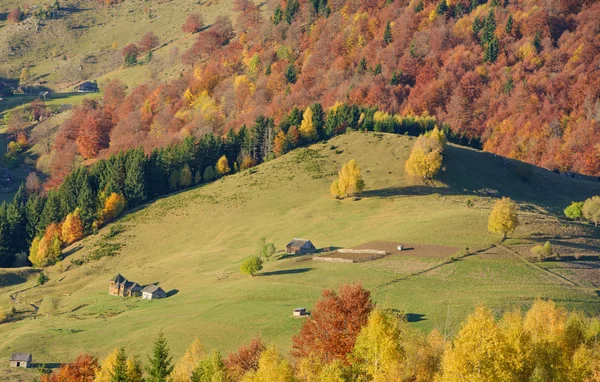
118, 278
299, 243
20, 357
152, 288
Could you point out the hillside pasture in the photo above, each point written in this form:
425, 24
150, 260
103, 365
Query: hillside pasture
193, 243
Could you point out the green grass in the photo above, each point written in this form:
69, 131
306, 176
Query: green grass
194, 242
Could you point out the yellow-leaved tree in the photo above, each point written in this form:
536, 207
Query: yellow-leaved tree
72, 228
223, 165
312, 369
504, 218
107, 367
113, 207
46, 250
425, 159
186, 365
307, 130
378, 351
349, 182
272, 366
475, 354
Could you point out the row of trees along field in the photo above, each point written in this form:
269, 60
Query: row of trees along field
349, 338
81, 199
519, 75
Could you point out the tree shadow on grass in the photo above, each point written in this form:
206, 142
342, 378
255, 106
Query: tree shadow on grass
49, 365
285, 272
172, 292
414, 317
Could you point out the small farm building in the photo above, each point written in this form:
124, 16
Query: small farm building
300, 312
152, 292
120, 286
86, 87
300, 246
20, 360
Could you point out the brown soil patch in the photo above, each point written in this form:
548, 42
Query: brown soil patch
410, 250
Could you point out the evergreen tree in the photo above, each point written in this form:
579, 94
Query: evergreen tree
509, 25
537, 41
52, 210
318, 119
119, 372
291, 7
33, 213
477, 26
441, 8
362, 65
419, 7
87, 203
291, 74
135, 179
160, 363
395, 80
492, 50
277, 15
387, 35
15, 216
6, 257
489, 27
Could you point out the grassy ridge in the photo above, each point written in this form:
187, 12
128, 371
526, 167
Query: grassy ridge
193, 242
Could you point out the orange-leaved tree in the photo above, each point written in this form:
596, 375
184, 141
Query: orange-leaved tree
334, 324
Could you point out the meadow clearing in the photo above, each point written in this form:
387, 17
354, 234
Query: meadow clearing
192, 244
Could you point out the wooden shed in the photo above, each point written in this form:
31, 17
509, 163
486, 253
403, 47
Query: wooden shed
300, 312
300, 246
152, 292
20, 360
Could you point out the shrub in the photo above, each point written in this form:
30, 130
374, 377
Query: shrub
543, 252
42, 279
251, 266
574, 211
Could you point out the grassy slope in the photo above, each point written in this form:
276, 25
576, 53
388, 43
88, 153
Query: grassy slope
194, 242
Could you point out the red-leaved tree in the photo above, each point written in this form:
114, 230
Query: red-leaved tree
194, 23
244, 359
148, 42
331, 330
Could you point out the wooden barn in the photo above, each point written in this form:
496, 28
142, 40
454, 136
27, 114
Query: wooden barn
300, 246
152, 292
20, 360
120, 286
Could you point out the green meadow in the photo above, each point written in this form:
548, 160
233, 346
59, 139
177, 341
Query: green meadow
192, 244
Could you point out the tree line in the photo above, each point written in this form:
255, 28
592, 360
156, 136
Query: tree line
350, 338
34, 227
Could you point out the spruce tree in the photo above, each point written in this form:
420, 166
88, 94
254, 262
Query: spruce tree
33, 214
52, 210
119, 372
509, 25
88, 205
318, 119
537, 41
160, 363
492, 50
387, 35
489, 27
277, 15
6, 257
135, 179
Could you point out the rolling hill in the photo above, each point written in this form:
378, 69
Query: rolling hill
192, 244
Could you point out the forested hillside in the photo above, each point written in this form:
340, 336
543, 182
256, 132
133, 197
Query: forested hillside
521, 76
